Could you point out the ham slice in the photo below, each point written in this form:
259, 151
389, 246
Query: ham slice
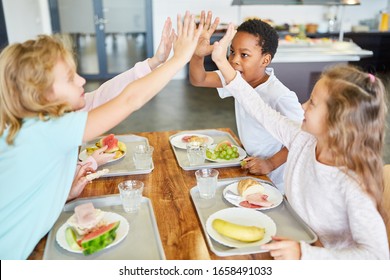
85, 214
258, 199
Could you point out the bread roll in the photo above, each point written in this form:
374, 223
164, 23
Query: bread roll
245, 184
249, 186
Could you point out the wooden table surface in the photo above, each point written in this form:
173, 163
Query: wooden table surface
168, 186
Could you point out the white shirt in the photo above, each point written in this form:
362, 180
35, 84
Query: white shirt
330, 202
257, 141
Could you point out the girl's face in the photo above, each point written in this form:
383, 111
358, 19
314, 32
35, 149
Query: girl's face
316, 111
67, 86
246, 56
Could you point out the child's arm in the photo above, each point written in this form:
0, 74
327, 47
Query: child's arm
197, 73
137, 93
114, 86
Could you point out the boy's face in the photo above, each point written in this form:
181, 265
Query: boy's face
246, 56
67, 86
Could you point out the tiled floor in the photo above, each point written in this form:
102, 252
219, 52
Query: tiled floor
182, 106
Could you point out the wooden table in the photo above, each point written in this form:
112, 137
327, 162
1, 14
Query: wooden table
168, 186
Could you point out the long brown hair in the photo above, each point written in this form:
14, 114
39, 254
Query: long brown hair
26, 77
356, 121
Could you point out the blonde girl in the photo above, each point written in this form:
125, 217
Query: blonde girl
333, 176
40, 135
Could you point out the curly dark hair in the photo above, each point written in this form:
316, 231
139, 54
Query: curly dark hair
267, 35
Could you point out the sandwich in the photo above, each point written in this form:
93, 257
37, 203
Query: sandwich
253, 194
86, 218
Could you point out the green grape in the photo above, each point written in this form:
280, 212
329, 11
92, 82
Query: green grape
235, 155
214, 157
234, 149
227, 156
223, 153
209, 153
229, 151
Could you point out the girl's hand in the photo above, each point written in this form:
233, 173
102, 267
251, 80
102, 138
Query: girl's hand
204, 48
283, 249
101, 157
80, 181
257, 166
187, 37
165, 46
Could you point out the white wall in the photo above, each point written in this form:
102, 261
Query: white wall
25, 19
279, 14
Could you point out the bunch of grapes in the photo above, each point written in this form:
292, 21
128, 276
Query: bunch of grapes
224, 151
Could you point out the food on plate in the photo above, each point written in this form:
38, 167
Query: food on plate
252, 192
99, 238
88, 231
223, 150
113, 146
194, 138
238, 232
97, 174
71, 239
86, 218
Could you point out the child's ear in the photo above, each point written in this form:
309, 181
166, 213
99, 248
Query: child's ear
266, 60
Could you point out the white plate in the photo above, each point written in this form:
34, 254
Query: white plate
244, 217
178, 143
241, 155
83, 156
274, 195
109, 217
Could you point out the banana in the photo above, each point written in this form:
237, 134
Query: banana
238, 232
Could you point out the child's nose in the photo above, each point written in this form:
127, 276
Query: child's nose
81, 80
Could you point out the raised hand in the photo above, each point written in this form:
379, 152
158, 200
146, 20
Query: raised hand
204, 48
187, 37
220, 47
165, 46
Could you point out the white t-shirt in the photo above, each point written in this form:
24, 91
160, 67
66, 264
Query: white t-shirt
256, 140
330, 202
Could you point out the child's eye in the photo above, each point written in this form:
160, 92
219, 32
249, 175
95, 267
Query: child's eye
244, 55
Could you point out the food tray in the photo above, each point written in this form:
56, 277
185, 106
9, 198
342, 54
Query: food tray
217, 135
124, 166
288, 223
141, 243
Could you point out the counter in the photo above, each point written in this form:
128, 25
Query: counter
299, 64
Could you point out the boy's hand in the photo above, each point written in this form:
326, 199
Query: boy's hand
220, 48
257, 166
165, 46
204, 48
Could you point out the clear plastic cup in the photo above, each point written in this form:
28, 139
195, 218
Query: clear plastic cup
131, 195
207, 180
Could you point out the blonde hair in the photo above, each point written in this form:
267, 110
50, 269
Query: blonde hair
356, 122
26, 78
